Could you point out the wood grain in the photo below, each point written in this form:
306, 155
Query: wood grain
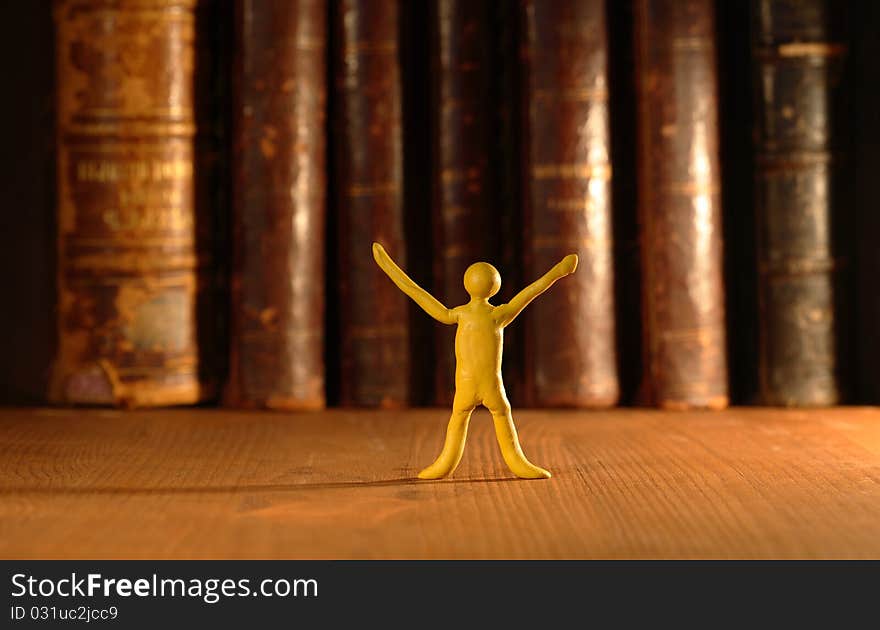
744, 483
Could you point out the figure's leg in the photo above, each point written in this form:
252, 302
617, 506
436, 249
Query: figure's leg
505, 432
453, 448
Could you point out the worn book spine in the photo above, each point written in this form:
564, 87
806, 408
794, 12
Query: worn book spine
570, 338
368, 187
679, 204
464, 229
277, 345
128, 265
804, 214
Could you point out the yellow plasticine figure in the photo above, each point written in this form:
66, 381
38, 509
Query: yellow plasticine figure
478, 346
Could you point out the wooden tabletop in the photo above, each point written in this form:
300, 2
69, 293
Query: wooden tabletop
744, 483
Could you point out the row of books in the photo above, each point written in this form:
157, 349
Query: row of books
222, 172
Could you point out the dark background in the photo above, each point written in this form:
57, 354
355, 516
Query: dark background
27, 177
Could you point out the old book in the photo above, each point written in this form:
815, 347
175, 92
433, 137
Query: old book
128, 265
679, 204
277, 344
465, 229
570, 338
803, 212
368, 201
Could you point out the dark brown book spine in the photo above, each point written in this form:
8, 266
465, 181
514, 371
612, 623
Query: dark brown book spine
803, 217
679, 204
570, 339
128, 265
277, 354
462, 188
368, 162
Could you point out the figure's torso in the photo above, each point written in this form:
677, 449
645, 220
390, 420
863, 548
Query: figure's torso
478, 345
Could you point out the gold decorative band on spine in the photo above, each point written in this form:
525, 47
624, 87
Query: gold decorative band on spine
584, 203
157, 114
102, 144
692, 44
116, 241
133, 262
691, 189
453, 175
702, 335
170, 277
774, 162
581, 95
129, 129
373, 190
173, 366
571, 171
811, 49
310, 44
385, 47
801, 266
816, 52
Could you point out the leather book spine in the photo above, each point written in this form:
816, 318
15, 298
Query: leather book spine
129, 268
277, 345
464, 229
368, 187
803, 215
680, 204
570, 334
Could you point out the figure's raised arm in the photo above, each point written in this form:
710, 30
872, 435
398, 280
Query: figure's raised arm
506, 313
428, 302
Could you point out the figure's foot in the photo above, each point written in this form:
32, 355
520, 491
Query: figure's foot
434, 472
530, 471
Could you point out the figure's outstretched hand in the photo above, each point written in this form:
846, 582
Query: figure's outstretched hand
568, 264
380, 255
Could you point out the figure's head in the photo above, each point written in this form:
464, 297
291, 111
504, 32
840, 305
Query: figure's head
481, 280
